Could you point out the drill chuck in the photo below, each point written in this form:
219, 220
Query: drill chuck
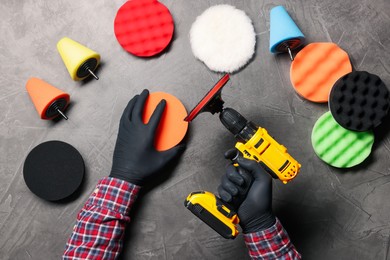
242, 129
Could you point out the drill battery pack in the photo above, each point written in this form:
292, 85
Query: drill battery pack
211, 210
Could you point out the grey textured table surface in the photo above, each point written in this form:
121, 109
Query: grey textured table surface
329, 213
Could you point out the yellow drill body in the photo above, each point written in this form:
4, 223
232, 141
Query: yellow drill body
272, 155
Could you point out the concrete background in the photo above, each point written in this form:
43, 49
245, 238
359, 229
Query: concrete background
329, 213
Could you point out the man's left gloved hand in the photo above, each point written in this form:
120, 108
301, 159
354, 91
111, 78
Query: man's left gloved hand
135, 158
255, 209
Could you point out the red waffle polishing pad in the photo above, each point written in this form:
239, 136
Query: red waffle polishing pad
172, 127
143, 27
316, 68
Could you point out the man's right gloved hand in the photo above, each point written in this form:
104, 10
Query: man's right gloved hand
255, 211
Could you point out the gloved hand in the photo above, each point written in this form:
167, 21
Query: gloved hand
254, 207
135, 158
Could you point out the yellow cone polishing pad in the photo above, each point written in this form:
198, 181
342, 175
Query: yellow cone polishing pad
338, 146
79, 60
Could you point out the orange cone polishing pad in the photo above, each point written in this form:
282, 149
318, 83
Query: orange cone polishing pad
49, 101
316, 68
53, 170
172, 127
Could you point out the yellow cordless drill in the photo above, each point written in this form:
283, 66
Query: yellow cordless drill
253, 143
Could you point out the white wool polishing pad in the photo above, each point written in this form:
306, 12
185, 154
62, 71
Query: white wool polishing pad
223, 38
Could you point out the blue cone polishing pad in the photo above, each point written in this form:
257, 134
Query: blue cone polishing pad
359, 101
53, 170
283, 31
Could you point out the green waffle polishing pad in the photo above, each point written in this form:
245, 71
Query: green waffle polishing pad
338, 146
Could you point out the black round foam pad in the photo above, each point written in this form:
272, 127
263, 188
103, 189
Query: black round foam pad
359, 101
53, 170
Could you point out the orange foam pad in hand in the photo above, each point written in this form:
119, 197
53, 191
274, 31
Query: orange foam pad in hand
316, 68
172, 127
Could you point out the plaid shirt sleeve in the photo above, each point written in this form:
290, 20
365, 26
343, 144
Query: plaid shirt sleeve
101, 223
272, 243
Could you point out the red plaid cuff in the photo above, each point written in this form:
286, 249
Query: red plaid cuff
272, 243
114, 194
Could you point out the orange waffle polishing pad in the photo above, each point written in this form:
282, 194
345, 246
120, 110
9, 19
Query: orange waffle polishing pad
316, 68
143, 27
172, 127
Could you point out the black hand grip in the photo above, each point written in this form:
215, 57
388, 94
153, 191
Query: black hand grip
233, 155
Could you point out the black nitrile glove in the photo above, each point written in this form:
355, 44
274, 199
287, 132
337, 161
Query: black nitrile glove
255, 210
135, 158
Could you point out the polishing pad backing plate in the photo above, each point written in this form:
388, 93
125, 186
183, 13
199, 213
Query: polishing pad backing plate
204, 103
53, 170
